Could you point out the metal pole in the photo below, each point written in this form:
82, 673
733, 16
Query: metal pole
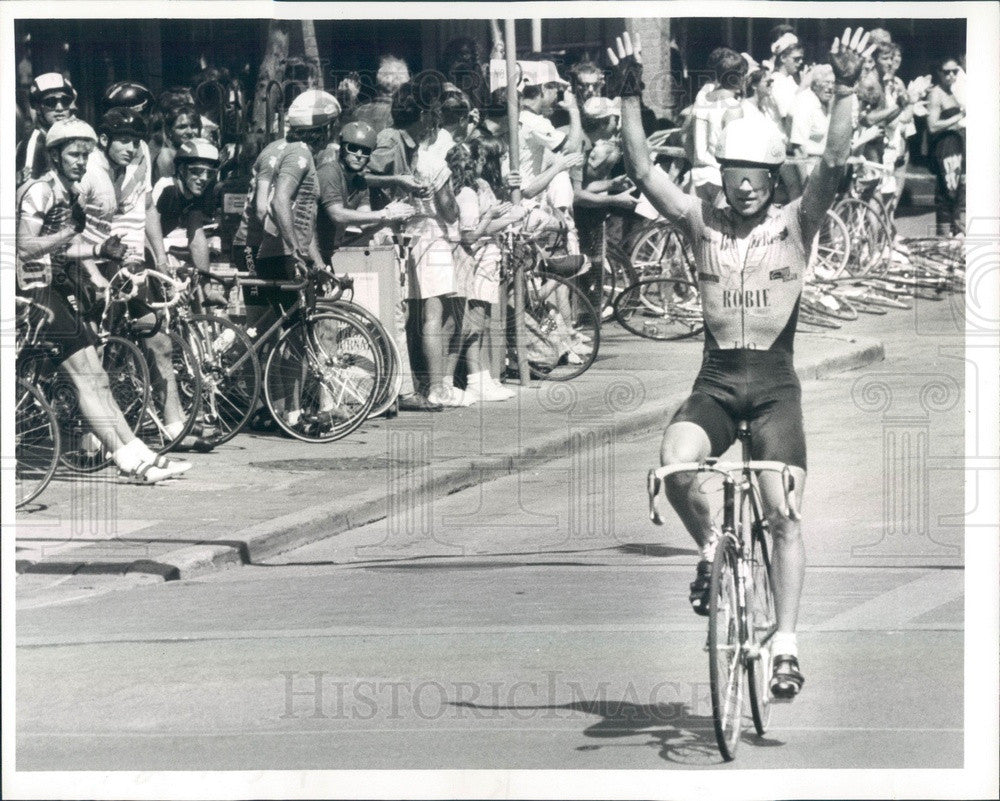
536, 36
510, 50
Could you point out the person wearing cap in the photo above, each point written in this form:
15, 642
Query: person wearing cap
52, 98
751, 257
788, 59
50, 220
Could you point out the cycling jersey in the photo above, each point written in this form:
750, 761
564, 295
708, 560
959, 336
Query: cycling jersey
251, 229
178, 210
45, 199
750, 286
131, 186
295, 161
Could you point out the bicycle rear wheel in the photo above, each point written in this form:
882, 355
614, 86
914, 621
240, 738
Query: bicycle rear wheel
870, 241
664, 309
831, 249
322, 376
660, 249
726, 662
391, 377
231, 375
761, 617
36, 443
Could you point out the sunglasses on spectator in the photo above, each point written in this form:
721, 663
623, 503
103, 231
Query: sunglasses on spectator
54, 101
950, 72
358, 150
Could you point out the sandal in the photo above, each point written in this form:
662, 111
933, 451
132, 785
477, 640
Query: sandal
173, 467
147, 473
701, 587
786, 680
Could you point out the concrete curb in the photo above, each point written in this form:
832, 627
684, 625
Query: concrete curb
330, 518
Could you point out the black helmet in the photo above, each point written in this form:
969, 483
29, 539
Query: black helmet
122, 122
129, 94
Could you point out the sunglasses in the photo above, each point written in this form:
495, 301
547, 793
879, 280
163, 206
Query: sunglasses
358, 150
759, 177
950, 72
202, 172
55, 101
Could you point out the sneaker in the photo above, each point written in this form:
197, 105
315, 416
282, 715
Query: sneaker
488, 392
450, 397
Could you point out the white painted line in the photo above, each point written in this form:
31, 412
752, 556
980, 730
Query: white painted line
896, 608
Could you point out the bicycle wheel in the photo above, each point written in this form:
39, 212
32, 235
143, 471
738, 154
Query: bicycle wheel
831, 250
870, 242
128, 380
36, 443
564, 332
825, 303
761, 617
153, 430
391, 377
725, 649
230, 372
664, 309
617, 273
322, 376
660, 249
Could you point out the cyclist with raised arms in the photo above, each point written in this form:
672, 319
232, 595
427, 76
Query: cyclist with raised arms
751, 256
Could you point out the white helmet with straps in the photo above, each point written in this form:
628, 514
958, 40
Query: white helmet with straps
754, 139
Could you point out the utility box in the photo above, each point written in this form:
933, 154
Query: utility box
377, 278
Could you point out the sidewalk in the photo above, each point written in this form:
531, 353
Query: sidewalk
259, 495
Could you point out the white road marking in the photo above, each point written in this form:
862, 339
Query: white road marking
896, 608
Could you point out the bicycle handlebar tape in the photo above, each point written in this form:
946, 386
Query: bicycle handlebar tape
626, 78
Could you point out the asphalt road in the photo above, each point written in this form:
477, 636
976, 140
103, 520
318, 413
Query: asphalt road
539, 621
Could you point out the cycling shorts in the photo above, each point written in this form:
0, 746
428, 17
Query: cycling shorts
759, 386
68, 331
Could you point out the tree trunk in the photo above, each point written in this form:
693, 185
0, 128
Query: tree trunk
312, 51
272, 68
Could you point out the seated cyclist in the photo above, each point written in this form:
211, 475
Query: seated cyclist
751, 256
50, 220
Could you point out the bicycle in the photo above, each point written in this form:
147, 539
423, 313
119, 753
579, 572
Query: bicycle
36, 428
563, 328
322, 374
128, 381
116, 319
742, 619
664, 309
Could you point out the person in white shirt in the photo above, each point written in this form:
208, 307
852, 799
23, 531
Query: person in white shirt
788, 60
811, 117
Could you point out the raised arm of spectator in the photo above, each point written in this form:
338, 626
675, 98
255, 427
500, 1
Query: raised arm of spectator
574, 136
563, 160
846, 57
672, 202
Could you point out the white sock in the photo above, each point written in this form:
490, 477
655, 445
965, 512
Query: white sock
173, 429
708, 549
293, 417
448, 382
132, 454
784, 643
476, 381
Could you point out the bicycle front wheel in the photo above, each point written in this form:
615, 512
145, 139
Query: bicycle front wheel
187, 376
762, 619
563, 329
36, 443
230, 374
664, 309
725, 650
322, 377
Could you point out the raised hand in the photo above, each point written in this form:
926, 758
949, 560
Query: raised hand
626, 68
848, 54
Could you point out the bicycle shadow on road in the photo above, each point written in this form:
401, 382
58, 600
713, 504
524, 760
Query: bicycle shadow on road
679, 735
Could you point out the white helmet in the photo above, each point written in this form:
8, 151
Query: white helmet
312, 109
752, 139
66, 130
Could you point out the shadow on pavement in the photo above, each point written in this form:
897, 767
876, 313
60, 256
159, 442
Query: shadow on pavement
678, 735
